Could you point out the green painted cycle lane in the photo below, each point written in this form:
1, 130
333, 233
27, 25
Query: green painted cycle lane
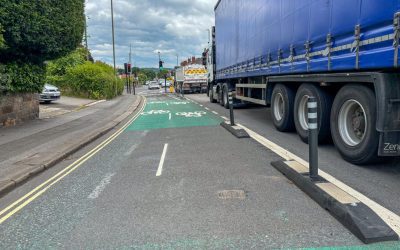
165, 112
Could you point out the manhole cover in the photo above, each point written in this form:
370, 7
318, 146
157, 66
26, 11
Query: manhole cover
232, 195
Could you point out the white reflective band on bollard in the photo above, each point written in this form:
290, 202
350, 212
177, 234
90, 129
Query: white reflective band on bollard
312, 115
312, 126
312, 105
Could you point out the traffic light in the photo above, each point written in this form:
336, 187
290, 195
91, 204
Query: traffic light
126, 68
129, 68
161, 65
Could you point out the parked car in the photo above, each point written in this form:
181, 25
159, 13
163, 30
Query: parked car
49, 93
154, 85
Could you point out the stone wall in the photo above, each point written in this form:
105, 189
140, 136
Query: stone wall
17, 108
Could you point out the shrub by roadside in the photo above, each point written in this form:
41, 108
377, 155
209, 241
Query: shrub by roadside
91, 80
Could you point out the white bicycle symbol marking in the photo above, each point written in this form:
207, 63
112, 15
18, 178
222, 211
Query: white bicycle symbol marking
192, 114
156, 102
156, 112
179, 103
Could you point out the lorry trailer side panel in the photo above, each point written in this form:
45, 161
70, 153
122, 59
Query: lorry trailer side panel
275, 37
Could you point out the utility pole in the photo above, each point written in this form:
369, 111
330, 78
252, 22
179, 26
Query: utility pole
113, 42
86, 39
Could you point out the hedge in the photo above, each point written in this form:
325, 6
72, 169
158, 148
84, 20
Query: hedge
34, 32
92, 80
21, 77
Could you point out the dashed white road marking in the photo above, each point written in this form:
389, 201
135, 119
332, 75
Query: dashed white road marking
201, 105
131, 150
170, 116
207, 108
214, 112
392, 219
225, 118
100, 188
160, 166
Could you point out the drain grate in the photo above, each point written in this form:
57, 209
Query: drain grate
232, 195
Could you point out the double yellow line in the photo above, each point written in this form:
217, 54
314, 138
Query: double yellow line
42, 188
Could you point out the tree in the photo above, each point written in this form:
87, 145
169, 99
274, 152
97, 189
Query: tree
150, 74
34, 32
163, 74
142, 78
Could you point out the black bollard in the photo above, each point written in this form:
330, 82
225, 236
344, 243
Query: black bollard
313, 136
232, 117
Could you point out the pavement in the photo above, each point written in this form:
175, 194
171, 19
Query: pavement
64, 105
29, 149
169, 177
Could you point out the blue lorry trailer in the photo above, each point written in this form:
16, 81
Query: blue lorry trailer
343, 52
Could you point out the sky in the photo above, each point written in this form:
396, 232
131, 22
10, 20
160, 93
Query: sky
173, 27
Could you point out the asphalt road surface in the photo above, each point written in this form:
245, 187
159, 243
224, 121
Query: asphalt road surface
171, 178
380, 182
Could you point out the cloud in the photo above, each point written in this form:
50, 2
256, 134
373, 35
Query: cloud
169, 26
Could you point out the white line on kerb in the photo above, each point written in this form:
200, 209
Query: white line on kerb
392, 219
94, 103
215, 112
170, 116
160, 166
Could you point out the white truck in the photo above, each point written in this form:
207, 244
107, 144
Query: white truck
192, 79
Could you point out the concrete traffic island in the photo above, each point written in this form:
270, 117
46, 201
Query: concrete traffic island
353, 214
27, 156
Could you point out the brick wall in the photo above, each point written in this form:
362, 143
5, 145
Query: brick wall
17, 108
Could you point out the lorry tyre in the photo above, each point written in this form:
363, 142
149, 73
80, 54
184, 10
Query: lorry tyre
220, 95
353, 127
225, 96
282, 102
324, 101
211, 95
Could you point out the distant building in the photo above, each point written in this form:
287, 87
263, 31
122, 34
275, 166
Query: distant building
192, 60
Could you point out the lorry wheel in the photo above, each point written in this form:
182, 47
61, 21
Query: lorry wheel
324, 100
220, 96
225, 96
211, 95
282, 108
353, 124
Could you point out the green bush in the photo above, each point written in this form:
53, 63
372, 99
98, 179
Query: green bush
21, 77
92, 80
56, 69
33, 32
41, 30
2, 41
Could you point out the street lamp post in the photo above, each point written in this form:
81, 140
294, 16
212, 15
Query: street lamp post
113, 42
86, 39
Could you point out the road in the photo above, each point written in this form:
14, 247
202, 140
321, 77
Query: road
380, 182
170, 178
